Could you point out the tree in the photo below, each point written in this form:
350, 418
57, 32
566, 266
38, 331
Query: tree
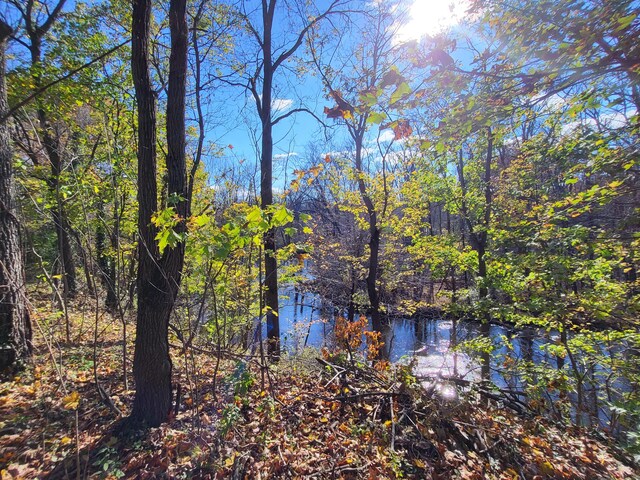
260, 82
159, 269
51, 136
15, 324
357, 87
567, 43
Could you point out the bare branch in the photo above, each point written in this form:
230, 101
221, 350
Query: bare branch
298, 110
286, 54
44, 28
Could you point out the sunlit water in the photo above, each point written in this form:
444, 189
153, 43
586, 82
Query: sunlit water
307, 321
429, 343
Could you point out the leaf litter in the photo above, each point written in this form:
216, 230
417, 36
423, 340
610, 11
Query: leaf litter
312, 418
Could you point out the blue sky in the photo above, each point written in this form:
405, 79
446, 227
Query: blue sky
294, 134
235, 110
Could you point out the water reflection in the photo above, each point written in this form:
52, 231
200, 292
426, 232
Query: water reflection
305, 320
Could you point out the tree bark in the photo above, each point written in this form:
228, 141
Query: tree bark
15, 324
106, 265
158, 276
266, 186
374, 239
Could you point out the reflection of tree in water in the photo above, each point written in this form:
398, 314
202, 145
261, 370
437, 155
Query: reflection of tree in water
434, 346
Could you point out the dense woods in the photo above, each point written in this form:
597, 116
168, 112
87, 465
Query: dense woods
291, 239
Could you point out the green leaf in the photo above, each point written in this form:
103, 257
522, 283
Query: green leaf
163, 240
222, 250
254, 216
376, 118
624, 22
281, 216
368, 99
402, 90
175, 198
201, 220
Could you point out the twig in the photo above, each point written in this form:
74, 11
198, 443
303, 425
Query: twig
393, 425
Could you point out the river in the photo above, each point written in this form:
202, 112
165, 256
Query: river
307, 321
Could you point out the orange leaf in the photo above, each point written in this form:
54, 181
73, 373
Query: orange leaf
402, 129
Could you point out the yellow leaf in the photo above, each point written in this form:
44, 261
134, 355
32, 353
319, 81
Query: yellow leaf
547, 468
5, 475
71, 401
511, 473
65, 440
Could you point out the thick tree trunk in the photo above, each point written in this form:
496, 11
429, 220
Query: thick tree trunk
266, 189
15, 324
151, 362
158, 278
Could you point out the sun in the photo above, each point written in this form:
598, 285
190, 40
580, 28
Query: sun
430, 17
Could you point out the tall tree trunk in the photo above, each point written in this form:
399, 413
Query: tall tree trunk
106, 265
151, 363
15, 324
158, 277
61, 223
478, 239
266, 187
372, 275
351, 312
51, 143
374, 239
485, 327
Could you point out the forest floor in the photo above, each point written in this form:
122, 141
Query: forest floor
311, 416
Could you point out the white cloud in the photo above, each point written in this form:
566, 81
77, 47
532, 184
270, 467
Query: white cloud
280, 156
277, 104
551, 103
612, 120
281, 104
386, 136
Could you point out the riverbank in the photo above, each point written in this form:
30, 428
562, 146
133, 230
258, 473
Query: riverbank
579, 377
306, 417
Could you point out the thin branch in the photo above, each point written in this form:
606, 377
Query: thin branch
298, 110
286, 54
44, 88
44, 28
